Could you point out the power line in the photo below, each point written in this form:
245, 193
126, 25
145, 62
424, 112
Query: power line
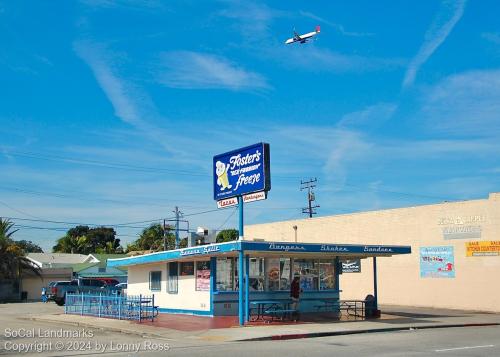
227, 219
114, 165
102, 163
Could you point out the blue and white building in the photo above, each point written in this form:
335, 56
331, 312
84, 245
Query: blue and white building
222, 279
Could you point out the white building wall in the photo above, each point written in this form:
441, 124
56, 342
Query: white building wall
187, 297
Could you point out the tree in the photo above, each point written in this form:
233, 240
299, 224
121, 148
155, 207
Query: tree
12, 259
85, 240
28, 246
227, 235
151, 238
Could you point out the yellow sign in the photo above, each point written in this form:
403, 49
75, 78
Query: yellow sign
482, 248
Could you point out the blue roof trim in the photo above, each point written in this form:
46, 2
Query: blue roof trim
199, 251
214, 249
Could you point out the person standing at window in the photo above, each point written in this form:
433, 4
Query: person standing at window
295, 295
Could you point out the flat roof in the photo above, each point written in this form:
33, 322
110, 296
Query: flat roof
287, 249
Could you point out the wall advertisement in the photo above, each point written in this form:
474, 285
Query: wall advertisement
482, 249
437, 262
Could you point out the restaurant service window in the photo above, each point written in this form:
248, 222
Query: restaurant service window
155, 280
326, 275
277, 274
173, 278
225, 274
308, 271
256, 274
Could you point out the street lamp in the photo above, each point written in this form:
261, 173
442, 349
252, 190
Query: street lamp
295, 229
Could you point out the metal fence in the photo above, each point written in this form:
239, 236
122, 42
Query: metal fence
131, 307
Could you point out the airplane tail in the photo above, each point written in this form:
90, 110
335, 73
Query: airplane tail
318, 30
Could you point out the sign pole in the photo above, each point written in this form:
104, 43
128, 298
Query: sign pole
241, 309
240, 209
241, 277
375, 290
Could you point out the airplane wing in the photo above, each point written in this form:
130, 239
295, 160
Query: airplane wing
296, 36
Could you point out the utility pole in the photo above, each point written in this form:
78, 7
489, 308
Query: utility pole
309, 185
165, 234
167, 227
177, 215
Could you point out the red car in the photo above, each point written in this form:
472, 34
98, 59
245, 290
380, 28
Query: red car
109, 281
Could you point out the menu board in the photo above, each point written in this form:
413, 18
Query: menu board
203, 276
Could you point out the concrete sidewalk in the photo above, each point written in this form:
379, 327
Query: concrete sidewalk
393, 318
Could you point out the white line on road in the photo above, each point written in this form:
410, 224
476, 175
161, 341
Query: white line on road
464, 348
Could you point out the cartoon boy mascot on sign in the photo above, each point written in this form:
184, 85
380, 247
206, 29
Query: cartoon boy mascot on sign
221, 172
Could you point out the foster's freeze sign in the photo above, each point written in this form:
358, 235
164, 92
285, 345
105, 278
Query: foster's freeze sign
242, 171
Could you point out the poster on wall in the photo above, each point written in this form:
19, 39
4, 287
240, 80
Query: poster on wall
203, 276
351, 266
437, 262
482, 249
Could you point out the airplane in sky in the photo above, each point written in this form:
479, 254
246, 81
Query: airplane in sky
302, 38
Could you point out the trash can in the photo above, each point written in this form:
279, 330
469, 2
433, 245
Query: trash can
24, 295
370, 310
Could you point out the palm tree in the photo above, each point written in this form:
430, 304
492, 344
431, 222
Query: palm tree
12, 259
74, 245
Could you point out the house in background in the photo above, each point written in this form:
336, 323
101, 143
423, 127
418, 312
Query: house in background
50, 260
63, 267
100, 269
32, 284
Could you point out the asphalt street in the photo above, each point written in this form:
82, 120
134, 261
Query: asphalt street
16, 333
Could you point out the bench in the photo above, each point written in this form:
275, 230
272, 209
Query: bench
282, 313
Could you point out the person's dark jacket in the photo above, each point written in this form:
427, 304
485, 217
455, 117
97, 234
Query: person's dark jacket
295, 288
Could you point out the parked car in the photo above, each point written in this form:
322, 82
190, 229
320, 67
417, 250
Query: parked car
121, 285
52, 288
82, 285
122, 288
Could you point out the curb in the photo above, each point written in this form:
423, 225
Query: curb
88, 325
354, 332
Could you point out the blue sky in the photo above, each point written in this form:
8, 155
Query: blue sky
111, 111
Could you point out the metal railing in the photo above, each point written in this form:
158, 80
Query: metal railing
130, 307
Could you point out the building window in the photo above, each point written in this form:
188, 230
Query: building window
225, 274
307, 269
277, 274
187, 268
173, 277
256, 274
203, 276
326, 275
155, 280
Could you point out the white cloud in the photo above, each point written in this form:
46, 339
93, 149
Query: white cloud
130, 4
492, 37
334, 25
445, 20
321, 59
131, 104
195, 70
254, 19
369, 117
466, 104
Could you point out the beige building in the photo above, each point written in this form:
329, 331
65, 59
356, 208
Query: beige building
33, 284
455, 260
